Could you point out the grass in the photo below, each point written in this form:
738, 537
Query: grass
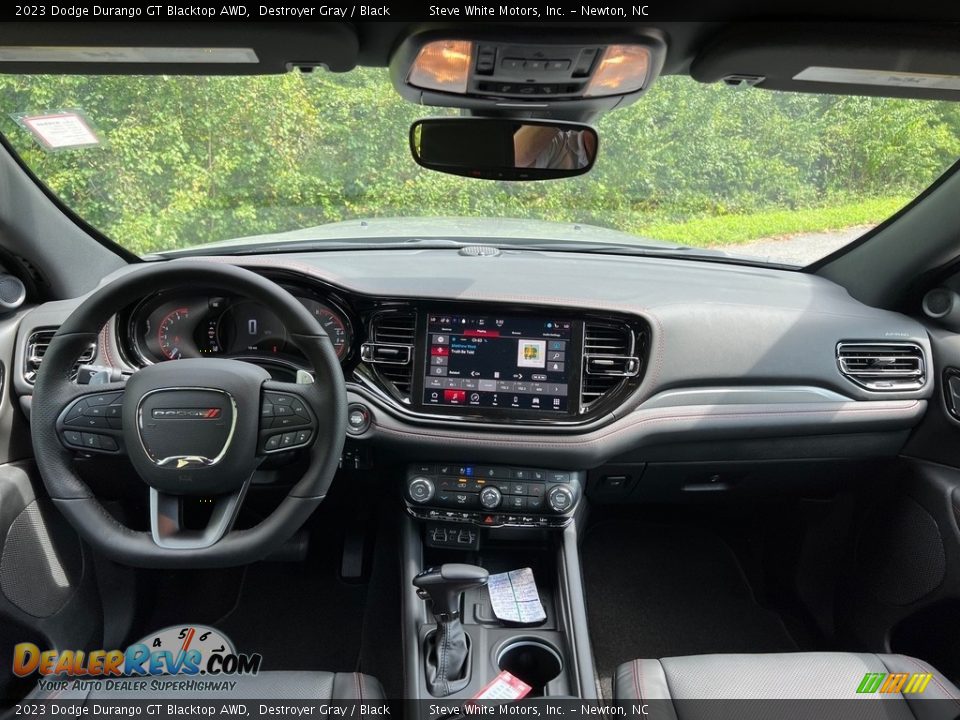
738, 229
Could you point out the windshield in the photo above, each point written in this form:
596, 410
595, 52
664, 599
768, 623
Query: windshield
160, 163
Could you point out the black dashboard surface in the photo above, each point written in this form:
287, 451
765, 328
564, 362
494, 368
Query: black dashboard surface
733, 351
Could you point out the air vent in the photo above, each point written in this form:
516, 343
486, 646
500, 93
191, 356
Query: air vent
884, 367
391, 350
609, 359
37, 345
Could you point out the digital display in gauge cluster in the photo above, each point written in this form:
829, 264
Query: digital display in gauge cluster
203, 326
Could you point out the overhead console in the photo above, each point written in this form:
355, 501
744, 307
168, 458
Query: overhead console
482, 363
558, 74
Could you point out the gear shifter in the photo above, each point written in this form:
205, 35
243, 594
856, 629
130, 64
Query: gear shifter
447, 650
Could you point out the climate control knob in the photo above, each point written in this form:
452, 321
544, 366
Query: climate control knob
560, 498
490, 498
420, 489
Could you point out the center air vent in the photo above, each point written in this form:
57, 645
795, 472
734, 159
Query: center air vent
37, 345
609, 359
887, 367
390, 351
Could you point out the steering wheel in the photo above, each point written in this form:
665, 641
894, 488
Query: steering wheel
192, 427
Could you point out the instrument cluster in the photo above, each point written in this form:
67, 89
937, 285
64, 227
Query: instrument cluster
178, 325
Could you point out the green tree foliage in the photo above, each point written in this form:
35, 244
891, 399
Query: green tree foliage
187, 160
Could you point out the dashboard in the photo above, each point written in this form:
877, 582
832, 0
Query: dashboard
474, 361
555, 359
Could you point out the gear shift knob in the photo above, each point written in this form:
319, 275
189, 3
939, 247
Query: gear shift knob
444, 585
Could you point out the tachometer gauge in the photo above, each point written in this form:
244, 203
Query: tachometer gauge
334, 325
173, 333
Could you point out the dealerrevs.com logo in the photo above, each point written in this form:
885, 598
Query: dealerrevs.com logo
183, 650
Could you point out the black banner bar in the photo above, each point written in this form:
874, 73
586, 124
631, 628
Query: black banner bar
868, 707
560, 11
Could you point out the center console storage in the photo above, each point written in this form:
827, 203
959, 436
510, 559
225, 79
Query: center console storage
552, 656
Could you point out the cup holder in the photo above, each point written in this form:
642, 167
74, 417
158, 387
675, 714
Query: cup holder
533, 661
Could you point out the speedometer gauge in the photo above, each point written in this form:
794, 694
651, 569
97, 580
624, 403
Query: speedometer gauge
333, 323
173, 332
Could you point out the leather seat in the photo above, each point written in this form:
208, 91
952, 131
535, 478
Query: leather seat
687, 688
275, 685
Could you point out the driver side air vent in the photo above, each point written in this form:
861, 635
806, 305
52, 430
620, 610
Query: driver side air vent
37, 345
885, 367
390, 351
609, 360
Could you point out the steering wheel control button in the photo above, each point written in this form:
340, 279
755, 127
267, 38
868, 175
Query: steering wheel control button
288, 421
289, 413
72, 437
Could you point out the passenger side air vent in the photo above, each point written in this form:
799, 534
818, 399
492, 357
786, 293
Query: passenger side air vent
883, 366
390, 351
37, 345
609, 359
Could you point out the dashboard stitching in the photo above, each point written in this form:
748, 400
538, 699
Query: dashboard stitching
504, 440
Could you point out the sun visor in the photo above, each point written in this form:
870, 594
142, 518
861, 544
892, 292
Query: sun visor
907, 60
174, 48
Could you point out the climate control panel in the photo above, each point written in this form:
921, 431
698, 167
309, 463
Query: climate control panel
492, 495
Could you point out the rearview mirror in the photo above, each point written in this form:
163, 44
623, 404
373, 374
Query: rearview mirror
504, 149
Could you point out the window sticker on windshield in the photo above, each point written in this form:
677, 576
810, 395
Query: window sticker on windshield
60, 130
889, 78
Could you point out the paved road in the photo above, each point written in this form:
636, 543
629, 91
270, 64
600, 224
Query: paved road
797, 249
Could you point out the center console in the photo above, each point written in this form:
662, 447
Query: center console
465, 520
503, 367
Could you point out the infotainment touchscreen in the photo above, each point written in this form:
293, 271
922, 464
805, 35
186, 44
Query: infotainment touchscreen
506, 363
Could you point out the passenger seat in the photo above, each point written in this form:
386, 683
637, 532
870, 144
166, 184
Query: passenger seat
673, 686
